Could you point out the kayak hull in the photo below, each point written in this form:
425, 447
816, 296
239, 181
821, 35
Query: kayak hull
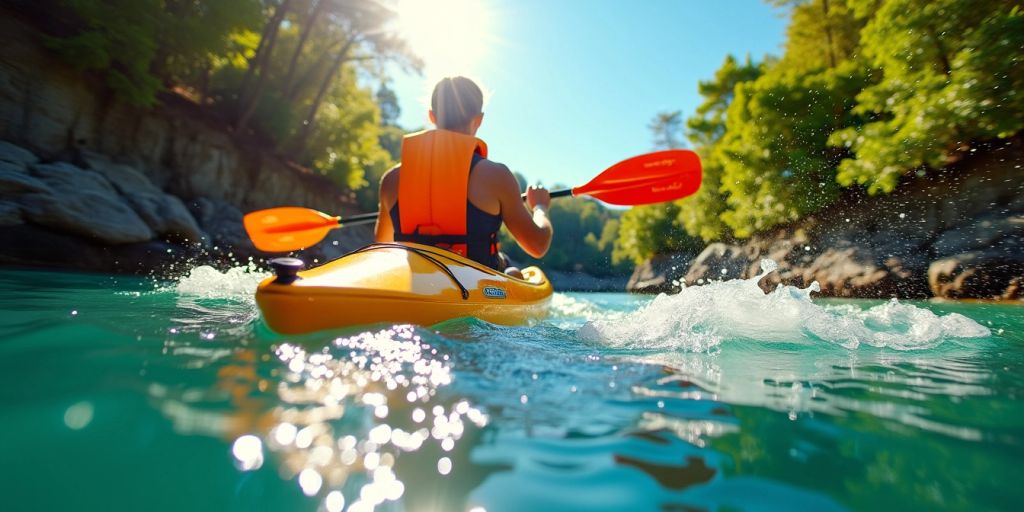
401, 283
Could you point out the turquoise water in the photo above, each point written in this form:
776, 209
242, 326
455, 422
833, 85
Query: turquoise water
128, 394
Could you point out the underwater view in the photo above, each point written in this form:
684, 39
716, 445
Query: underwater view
129, 393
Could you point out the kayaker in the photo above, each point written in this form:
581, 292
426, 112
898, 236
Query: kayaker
446, 193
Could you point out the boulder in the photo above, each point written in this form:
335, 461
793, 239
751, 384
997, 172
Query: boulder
163, 213
16, 155
222, 223
659, 274
16, 180
993, 273
84, 203
722, 262
849, 272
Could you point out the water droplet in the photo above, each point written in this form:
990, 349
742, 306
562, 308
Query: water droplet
310, 481
248, 451
335, 501
444, 465
79, 415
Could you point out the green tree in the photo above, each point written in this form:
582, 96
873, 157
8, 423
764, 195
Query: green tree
667, 130
140, 46
701, 214
649, 230
707, 126
821, 34
951, 75
776, 163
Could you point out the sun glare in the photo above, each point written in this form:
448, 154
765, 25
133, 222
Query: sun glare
449, 35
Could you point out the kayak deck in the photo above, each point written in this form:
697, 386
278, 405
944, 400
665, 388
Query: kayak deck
401, 283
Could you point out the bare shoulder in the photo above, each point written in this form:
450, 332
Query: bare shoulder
389, 183
391, 175
496, 174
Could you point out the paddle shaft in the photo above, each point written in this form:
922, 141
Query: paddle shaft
367, 218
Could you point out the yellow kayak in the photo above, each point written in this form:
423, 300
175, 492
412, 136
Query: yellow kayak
397, 283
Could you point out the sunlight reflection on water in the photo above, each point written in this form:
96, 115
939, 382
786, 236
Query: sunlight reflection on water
349, 409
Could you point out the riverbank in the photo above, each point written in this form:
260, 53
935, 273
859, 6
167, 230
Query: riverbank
89, 182
958, 234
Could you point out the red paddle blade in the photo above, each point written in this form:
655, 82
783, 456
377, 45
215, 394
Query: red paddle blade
646, 179
662, 190
287, 228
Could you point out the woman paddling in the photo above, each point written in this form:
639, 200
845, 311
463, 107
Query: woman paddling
446, 193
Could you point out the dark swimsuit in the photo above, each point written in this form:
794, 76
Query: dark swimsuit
481, 236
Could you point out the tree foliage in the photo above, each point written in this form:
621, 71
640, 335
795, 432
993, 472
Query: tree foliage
868, 93
290, 74
951, 76
139, 45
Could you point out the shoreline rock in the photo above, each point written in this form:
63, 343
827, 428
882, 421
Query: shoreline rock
956, 234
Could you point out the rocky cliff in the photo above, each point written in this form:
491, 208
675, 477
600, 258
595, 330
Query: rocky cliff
89, 182
958, 233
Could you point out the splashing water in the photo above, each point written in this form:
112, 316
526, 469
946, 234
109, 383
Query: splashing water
207, 282
698, 319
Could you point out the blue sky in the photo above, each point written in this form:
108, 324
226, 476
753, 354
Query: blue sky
573, 84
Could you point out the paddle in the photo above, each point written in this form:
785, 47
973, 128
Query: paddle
645, 179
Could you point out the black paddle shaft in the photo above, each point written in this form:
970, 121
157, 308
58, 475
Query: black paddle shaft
367, 218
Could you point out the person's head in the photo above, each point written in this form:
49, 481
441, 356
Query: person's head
457, 105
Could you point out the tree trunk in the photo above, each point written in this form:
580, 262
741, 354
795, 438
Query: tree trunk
204, 83
306, 129
269, 32
249, 103
289, 77
307, 75
828, 35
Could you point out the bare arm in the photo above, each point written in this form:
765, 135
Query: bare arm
384, 231
531, 229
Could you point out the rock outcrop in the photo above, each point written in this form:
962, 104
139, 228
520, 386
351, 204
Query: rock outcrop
957, 234
134, 189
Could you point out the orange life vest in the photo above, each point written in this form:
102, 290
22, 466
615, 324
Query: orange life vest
433, 188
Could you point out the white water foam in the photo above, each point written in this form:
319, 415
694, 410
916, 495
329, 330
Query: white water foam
563, 305
699, 318
204, 281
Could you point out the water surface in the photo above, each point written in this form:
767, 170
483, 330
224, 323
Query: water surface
125, 394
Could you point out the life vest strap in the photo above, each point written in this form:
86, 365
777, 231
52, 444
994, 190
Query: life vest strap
458, 244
